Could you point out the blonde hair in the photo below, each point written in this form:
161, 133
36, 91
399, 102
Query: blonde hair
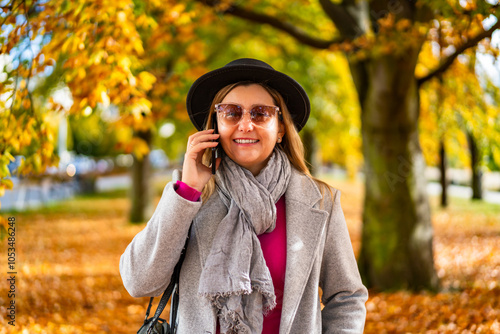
291, 142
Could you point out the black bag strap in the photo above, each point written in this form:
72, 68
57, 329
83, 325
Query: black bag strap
174, 306
173, 285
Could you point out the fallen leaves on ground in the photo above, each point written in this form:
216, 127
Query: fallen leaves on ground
68, 279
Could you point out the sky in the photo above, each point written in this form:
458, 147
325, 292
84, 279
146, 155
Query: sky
488, 64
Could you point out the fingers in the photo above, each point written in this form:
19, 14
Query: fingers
201, 140
201, 146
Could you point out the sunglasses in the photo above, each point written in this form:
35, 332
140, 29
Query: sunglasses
229, 114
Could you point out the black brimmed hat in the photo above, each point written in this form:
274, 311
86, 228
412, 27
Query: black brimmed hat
203, 90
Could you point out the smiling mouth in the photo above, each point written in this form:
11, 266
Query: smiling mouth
246, 141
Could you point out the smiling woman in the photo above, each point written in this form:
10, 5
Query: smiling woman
247, 142
243, 271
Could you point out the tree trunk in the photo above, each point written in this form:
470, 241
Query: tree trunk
141, 193
396, 251
443, 165
310, 148
477, 191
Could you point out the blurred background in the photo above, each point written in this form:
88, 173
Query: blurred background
405, 121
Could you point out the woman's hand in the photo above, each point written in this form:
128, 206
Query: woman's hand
194, 173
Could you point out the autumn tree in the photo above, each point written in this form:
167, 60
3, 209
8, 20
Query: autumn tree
382, 41
62, 29
457, 112
492, 150
108, 53
24, 130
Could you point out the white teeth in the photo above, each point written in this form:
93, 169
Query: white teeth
245, 141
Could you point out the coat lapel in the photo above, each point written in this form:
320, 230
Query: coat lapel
304, 227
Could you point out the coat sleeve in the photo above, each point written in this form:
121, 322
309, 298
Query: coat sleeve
149, 260
344, 295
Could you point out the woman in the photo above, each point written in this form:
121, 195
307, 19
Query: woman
265, 234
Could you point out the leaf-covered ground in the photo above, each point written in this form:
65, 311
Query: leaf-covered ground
68, 279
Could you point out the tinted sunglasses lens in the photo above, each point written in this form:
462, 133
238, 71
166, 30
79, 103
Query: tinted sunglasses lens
262, 114
229, 113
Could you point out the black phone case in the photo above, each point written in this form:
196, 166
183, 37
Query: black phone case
215, 150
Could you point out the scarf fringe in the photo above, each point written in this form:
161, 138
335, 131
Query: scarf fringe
233, 320
268, 306
269, 298
214, 297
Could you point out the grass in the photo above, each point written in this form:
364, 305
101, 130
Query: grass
467, 206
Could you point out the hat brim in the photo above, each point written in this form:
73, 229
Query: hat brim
204, 89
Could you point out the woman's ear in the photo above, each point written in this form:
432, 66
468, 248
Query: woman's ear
281, 131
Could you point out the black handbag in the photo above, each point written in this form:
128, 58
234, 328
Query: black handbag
155, 324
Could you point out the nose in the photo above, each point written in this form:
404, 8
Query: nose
245, 124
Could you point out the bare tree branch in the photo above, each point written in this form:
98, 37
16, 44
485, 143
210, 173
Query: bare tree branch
347, 16
287, 27
459, 50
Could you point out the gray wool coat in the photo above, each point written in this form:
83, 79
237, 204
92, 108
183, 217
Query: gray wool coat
319, 254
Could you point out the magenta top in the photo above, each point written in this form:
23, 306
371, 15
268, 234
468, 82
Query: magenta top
274, 248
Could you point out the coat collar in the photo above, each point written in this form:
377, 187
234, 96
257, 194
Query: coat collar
305, 224
302, 189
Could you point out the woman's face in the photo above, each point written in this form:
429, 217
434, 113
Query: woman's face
247, 144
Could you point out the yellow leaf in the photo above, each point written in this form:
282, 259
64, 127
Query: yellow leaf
147, 80
26, 104
140, 148
81, 73
83, 102
9, 156
7, 183
138, 46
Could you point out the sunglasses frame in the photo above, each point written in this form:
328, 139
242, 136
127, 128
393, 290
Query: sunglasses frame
277, 111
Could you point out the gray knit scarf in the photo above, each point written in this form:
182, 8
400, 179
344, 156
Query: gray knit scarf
235, 277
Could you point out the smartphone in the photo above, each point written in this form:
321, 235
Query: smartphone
216, 152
